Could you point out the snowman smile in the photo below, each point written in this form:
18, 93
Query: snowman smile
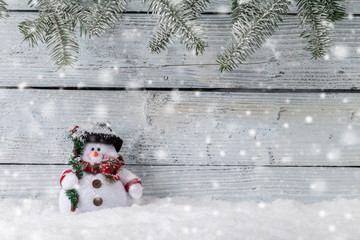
95, 159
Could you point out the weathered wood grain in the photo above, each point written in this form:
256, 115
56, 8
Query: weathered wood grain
191, 128
228, 183
220, 6
217, 6
123, 60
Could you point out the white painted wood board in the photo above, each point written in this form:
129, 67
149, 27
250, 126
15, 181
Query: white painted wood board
123, 60
192, 128
228, 145
218, 6
228, 183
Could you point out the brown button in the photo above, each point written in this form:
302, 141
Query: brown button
96, 183
98, 201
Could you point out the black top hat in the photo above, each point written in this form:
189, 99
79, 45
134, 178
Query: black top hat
102, 133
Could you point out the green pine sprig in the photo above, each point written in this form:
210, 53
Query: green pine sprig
58, 21
74, 161
162, 37
194, 8
253, 23
173, 20
103, 15
334, 10
315, 21
61, 39
78, 144
33, 30
3, 10
75, 13
73, 197
77, 166
55, 27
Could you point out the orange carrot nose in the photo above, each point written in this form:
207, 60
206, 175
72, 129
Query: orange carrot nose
95, 154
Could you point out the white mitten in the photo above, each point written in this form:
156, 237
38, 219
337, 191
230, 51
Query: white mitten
135, 191
69, 181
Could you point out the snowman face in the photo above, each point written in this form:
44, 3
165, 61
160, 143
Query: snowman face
97, 152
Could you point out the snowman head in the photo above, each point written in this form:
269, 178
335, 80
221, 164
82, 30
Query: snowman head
97, 152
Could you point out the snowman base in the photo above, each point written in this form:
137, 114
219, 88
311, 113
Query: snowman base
101, 194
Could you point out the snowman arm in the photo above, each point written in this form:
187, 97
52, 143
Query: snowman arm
68, 180
131, 182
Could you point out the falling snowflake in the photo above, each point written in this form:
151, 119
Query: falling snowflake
22, 85
308, 119
161, 154
340, 52
252, 132
322, 213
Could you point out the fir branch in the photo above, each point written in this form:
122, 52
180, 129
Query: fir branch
236, 10
334, 10
3, 10
77, 166
104, 15
78, 145
54, 26
234, 5
253, 23
315, 21
161, 39
61, 38
194, 8
171, 17
74, 13
34, 30
73, 196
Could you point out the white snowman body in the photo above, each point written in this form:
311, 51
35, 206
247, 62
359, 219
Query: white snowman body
94, 189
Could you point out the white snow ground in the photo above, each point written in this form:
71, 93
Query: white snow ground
184, 218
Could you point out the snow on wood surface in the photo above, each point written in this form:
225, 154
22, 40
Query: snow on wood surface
184, 218
232, 183
125, 61
193, 128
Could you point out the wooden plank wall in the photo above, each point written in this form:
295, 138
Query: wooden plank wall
280, 126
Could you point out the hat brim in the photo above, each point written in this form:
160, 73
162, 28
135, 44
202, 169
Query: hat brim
103, 138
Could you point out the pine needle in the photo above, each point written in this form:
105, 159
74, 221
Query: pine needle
174, 21
3, 10
315, 21
253, 23
334, 10
62, 41
194, 8
34, 30
54, 26
161, 39
73, 197
104, 15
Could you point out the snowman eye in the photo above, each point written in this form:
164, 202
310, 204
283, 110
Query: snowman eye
98, 149
92, 149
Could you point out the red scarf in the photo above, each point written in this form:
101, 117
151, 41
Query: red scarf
107, 167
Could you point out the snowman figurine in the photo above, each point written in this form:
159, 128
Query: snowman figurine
102, 182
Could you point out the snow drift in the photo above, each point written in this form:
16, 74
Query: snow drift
184, 218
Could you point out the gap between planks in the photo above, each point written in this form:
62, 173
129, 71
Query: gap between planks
165, 89
191, 165
204, 13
